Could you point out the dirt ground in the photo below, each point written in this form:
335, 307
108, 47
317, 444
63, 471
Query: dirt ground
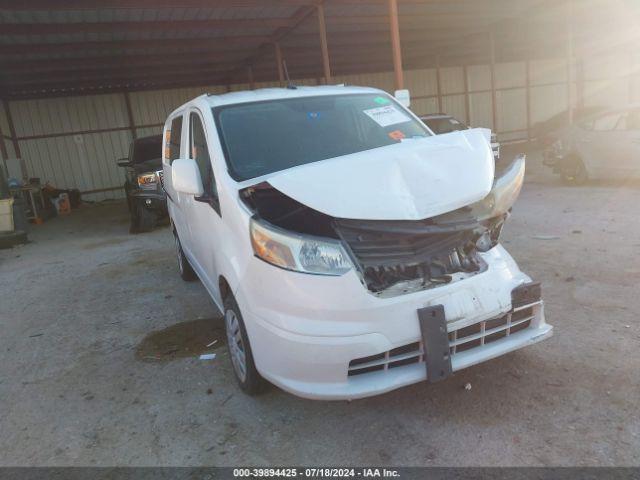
99, 345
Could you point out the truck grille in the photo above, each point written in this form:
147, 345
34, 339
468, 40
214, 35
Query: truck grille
462, 339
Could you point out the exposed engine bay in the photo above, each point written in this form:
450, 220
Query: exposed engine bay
395, 257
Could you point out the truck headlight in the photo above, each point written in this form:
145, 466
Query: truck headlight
297, 252
148, 180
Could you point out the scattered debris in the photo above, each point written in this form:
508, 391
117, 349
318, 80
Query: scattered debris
627, 326
209, 391
569, 279
576, 231
207, 356
545, 237
36, 335
467, 386
212, 343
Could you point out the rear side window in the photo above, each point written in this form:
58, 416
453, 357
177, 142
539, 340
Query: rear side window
173, 139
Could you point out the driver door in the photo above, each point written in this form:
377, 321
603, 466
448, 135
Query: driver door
205, 217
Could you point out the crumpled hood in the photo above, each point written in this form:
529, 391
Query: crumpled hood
411, 180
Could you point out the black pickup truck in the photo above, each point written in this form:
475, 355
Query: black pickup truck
145, 196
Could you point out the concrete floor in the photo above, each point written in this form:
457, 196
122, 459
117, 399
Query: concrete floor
88, 376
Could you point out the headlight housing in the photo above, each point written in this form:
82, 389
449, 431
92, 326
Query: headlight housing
148, 180
504, 193
297, 252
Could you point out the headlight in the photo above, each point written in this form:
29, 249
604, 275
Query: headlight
148, 180
504, 193
297, 252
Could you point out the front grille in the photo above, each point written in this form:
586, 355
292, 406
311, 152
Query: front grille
408, 243
396, 252
461, 339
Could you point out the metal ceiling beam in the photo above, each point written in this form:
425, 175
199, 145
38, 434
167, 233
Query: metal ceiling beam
219, 43
48, 5
299, 16
135, 27
117, 62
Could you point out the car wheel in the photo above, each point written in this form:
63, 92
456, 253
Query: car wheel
128, 195
573, 171
244, 367
184, 267
142, 219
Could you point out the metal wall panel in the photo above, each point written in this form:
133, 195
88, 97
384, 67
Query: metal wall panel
421, 82
511, 109
87, 161
455, 105
547, 101
422, 106
480, 109
548, 71
509, 75
451, 80
479, 77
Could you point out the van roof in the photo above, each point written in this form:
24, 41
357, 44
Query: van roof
283, 93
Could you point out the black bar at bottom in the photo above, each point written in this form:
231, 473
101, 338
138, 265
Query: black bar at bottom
433, 326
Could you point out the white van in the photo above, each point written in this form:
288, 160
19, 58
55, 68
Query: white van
351, 250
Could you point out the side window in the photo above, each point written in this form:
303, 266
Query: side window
200, 153
173, 139
606, 122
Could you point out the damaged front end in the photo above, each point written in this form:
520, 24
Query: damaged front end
392, 257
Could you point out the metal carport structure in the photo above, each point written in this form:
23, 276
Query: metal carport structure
79, 79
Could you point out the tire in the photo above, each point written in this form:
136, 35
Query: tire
240, 354
142, 219
573, 171
184, 267
128, 195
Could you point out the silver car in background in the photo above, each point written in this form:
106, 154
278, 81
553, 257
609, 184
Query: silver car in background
605, 145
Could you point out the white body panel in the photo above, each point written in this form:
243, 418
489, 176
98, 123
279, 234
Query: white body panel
305, 329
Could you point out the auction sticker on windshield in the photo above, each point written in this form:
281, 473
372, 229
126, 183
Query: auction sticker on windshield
385, 116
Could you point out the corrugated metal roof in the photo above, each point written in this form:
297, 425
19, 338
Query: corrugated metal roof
358, 35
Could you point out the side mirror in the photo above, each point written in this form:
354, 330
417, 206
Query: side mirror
185, 177
124, 162
403, 97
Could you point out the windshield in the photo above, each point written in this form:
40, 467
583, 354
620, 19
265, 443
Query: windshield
444, 125
263, 137
146, 149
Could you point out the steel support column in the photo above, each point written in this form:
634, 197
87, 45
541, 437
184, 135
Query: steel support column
14, 139
439, 85
252, 83
494, 96
467, 100
322, 28
395, 44
276, 46
132, 125
569, 26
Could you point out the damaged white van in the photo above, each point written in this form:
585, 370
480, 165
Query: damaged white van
351, 251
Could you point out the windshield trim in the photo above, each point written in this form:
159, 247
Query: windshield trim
217, 110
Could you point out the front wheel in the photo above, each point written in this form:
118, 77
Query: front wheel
244, 367
573, 171
184, 267
142, 219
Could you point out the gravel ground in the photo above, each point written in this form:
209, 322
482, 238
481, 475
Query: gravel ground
100, 338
